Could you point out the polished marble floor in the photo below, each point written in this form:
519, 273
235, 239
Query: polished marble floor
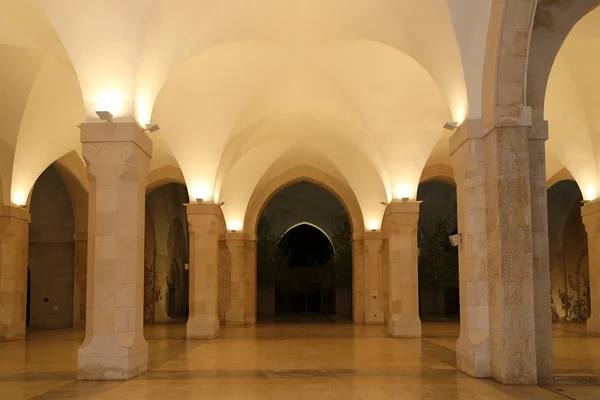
286, 361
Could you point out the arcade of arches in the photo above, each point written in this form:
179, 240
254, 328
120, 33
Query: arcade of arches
356, 131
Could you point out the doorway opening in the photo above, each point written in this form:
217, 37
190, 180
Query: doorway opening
51, 255
304, 257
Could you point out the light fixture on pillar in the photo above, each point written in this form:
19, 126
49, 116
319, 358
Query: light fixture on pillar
105, 115
152, 128
235, 226
455, 240
199, 201
221, 204
451, 126
372, 226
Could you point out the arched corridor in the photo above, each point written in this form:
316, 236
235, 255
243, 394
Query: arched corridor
304, 257
178, 173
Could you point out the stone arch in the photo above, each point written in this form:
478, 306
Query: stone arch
265, 192
163, 176
524, 38
438, 172
311, 225
51, 253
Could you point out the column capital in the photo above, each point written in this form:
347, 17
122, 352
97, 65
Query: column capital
590, 207
203, 208
469, 129
590, 215
119, 132
16, 212
234, 240
373, 236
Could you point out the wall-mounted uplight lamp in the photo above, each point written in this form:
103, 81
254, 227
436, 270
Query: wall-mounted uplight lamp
152, 128
105, 115
372, 226
451, 126
455, 240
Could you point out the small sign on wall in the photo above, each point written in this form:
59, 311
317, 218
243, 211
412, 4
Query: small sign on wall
187, 266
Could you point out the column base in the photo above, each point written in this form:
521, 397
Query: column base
375, 318
202, 328
404, 326
11, 331
473, 358
105, 358
592, 326
234, 317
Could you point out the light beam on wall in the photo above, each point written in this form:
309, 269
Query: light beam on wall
590, 192
19, 198
110, 100
235, 225
403, 191
201, 192
373, 225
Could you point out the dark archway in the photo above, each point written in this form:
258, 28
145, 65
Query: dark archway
307, 282
569, 268
166, 290
51, 254
304, 257
438, 260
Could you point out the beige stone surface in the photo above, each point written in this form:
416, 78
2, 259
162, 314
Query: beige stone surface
235, 245
510, 252
117, 156
468, 157
373, 243
400, 227
204, 226
14, 231
358, 282
285, 361
591, 218
250, 284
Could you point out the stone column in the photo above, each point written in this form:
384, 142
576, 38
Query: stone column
538, 134
250, 279
510, 257
235, 245
467, 148
401, 223
79, 283
117, 157
14, 241
372, 249
358, 282
204, 222
591, 218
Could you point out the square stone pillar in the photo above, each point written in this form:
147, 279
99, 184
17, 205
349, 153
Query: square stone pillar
401, 225
235, 245
373, 242
467, 149
117, 157
14, 241
80, 281
510, 255
250, 279
204, 225
538, 134
591, 218
358, 281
